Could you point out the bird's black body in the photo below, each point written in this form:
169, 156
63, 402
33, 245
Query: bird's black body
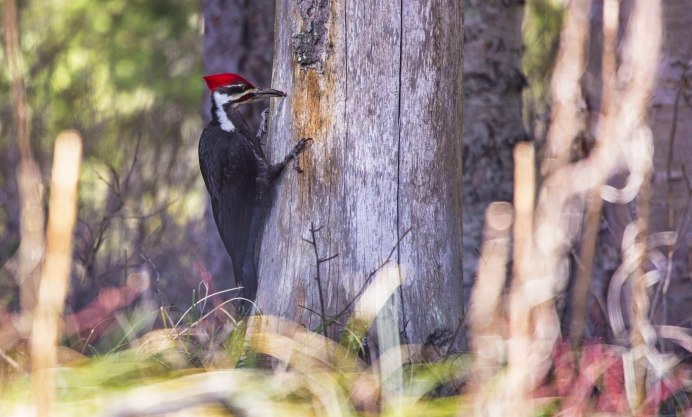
237, 176
230, 172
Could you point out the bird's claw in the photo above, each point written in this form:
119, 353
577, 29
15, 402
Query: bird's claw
299, 148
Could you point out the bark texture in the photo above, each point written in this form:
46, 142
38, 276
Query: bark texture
492, 113
378, 87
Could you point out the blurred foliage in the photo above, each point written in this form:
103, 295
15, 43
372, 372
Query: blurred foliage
542, 23
126, 74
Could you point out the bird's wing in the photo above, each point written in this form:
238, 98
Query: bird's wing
233, 204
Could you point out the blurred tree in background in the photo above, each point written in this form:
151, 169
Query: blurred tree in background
238, 37
493, 85
126, 75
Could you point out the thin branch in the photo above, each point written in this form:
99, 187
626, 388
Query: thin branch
323, 260
594, 202
372, 274
318, 276
455, 335
317, 313
11, 361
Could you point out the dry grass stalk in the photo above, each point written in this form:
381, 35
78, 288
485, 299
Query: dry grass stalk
542, 239
623, 140
519, 345
619, 145
566, 87
303, 350
56, 271
640, 60
485, 314
594, 203
642, 336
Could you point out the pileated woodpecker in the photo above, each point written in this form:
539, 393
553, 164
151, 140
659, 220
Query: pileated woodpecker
236, 172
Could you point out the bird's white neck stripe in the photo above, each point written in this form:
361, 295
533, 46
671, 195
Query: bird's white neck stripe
226, 124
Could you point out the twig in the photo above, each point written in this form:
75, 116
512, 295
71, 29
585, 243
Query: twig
115, 203
580, 293
10, 361
454, 335
317, 313
485, 310
594, 203
335, 319
154, 213
319, 261
372, 274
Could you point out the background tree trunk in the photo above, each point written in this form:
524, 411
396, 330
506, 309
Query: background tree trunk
378, 86
672, 192
238, 37
28, 173
493, 83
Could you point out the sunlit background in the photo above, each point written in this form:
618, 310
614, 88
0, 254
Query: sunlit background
126, 75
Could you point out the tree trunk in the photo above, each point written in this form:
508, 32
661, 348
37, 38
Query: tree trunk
378, 87
671, 204
492, 113
29, 185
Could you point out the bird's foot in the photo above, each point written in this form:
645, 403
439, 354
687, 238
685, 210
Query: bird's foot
298, 149
276, 169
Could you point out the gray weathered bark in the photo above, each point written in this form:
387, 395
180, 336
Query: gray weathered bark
492, 113
378, 87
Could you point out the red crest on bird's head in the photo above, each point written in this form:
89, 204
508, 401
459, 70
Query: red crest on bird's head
215, 81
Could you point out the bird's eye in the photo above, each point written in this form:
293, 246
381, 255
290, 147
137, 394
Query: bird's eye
232, 89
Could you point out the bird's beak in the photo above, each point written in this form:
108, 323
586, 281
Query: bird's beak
260, 93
